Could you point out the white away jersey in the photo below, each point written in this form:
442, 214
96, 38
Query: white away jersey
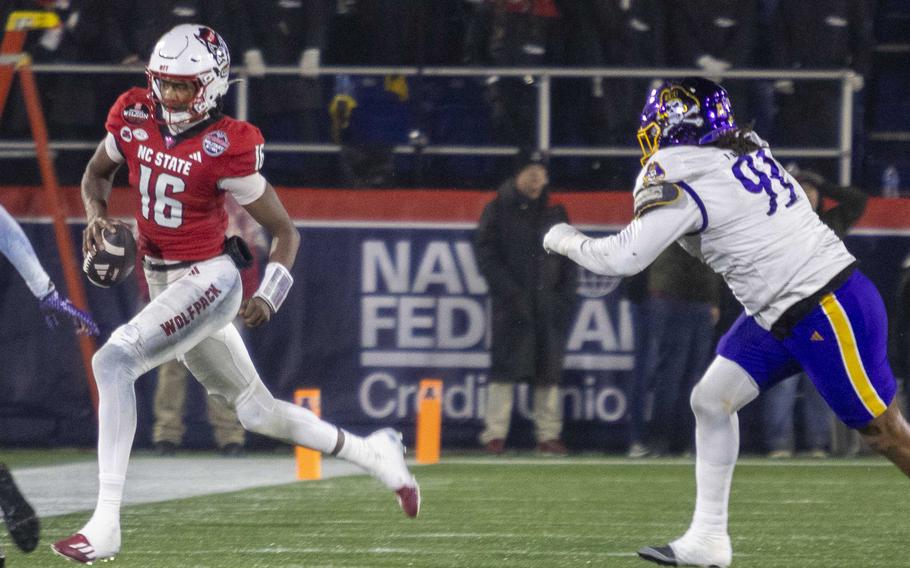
756, 227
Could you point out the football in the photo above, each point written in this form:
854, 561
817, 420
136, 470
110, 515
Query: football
112, 265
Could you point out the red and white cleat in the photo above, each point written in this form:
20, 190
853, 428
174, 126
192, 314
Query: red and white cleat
78, 549
409, 499
389, 467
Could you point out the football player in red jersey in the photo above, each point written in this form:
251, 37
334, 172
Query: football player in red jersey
183, 154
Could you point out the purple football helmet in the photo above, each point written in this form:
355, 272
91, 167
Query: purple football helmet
688, 111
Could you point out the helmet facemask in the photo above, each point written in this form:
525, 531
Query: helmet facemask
191, 111
648, 140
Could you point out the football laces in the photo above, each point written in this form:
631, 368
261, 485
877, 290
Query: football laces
87, 262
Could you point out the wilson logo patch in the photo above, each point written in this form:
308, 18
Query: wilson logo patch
136, 114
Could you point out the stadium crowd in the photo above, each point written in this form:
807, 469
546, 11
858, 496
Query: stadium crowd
369, 115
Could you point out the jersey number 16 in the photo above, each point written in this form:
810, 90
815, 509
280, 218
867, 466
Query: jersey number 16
166, 211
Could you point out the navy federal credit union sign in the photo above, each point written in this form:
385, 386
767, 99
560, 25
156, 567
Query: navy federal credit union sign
390, 305
386, 292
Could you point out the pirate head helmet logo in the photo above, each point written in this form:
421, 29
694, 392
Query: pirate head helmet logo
679, 107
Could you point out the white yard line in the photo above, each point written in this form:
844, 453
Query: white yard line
593, 461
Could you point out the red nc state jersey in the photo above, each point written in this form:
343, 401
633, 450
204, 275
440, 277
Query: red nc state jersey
179, 206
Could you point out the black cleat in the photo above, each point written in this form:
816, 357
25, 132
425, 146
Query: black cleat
662, 555
23, 524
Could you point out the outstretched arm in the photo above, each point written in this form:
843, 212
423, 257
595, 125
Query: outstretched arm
17, 248
631, 250
269, 212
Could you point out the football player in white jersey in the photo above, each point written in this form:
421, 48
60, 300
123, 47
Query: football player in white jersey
717, 190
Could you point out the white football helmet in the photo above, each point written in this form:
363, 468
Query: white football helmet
190, 52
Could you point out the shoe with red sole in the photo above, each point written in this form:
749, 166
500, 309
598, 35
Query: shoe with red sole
409, 500
390, 468
78, 549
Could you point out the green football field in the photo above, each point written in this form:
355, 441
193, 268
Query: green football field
516, 511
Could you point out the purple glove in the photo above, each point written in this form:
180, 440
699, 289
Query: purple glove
53, 306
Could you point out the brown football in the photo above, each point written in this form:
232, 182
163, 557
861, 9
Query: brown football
115, 263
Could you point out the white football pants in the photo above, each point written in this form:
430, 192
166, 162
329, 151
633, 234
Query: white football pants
189, 318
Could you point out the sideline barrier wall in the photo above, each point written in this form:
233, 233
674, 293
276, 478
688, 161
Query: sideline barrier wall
386, 292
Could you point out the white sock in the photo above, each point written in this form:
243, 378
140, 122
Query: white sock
717, 446
725, 389
106, 518
116, 429
356, 451
712, 497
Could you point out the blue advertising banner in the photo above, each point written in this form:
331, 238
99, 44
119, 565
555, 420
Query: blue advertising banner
387, 292
388, 306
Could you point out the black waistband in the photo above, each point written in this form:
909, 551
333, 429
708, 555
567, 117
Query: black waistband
234, 247
156, 267
795, 313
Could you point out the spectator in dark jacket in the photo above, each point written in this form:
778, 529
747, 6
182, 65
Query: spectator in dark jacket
779, 402
532, 295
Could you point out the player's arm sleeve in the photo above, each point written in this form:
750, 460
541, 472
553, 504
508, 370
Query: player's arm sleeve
246, 189
242, 163
113, 151
17, 248
635, 247
114, 123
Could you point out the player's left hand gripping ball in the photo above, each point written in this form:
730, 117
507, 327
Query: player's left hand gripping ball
112, 264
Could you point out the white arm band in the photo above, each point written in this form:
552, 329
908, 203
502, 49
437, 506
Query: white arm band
276, 283
113, 152
246, 189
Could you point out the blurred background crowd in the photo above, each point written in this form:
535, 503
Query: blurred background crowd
370, 116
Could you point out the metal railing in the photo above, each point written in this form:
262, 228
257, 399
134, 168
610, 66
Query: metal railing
543, 79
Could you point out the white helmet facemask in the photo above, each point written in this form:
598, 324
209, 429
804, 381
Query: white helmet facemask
194, 53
